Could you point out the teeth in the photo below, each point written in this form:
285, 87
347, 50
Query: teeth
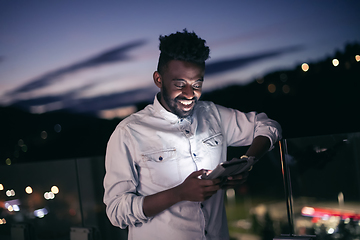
185, 102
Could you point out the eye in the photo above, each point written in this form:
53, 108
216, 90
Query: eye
179, 85
197, 86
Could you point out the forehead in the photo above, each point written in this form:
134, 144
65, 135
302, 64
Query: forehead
177, 69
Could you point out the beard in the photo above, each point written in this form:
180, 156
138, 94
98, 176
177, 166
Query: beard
173, 104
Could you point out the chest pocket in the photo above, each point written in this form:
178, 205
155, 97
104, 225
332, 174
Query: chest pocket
213, 150
163, 166
214, 140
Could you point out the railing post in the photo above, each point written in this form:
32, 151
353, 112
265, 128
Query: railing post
288, 195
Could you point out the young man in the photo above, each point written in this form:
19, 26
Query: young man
155, 157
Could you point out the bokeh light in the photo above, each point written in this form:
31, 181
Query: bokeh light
16, 208
44, 135
230, 193
286, 89
357, 58
28, 190
283, 77
40, 213
57, 128
10, 208
271, 88
55, 189
335, 62
49, 195
21, 143
10, 193
1, 187
8, 161
260, 80
24, 148
305, 67
308, 211
2, 221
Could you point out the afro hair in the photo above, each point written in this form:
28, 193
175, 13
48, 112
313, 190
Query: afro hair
184, 46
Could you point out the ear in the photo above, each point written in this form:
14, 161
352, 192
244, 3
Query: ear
157, 79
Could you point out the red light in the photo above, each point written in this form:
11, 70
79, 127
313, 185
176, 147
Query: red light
323, 212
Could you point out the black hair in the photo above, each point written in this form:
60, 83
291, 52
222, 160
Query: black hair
185, 46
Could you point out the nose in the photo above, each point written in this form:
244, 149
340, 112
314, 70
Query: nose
188, 92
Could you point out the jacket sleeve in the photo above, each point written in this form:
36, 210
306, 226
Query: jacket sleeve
124, 207
241, 128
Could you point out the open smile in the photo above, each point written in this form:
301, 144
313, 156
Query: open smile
186, 105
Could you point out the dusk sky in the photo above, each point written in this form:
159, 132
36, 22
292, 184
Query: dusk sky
67, 54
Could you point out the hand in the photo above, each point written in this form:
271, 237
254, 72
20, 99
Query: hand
197, 190
235, 181
192, 189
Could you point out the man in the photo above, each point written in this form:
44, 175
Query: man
155, 157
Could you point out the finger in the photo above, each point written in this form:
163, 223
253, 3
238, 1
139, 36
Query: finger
212, 188
196, 173
208, 183
216, 181
207, 192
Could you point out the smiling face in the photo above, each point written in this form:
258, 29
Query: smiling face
180, 86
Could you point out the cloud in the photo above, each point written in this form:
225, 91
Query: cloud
239, 62
69, 102
114, 55
50, 99
115, 100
